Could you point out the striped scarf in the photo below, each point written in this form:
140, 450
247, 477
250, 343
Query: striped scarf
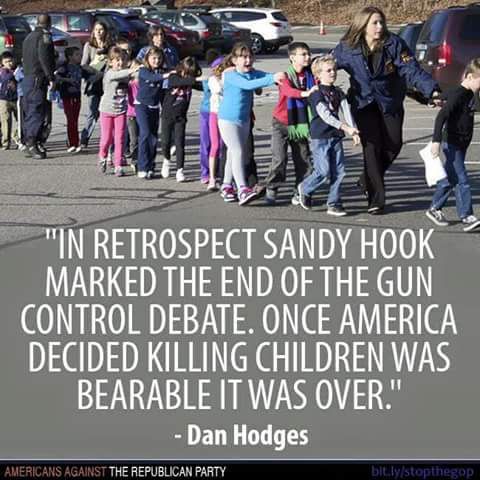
299, 113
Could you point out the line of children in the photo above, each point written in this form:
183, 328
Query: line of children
312, 116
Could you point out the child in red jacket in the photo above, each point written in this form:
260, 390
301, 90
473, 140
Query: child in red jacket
291, 122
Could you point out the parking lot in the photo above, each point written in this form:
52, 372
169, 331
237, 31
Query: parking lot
69, 191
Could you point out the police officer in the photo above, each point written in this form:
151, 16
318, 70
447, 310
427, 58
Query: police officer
380, 66
39, 67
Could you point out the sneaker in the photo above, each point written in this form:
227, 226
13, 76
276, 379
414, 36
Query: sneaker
375, 210
78, 149
41, 147
305, 201
437, 217
336, 211
295, 201
71, 149
247, 194
173, 149
142, 174
6, 147
110, 160
149, 175
166, 169
35, 152
134, 168
180, 175
22, 147
228, 193
119, 172
212, 185
102, 165
204, 180
470, 223
271, 196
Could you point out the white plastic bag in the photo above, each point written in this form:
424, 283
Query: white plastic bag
434, 170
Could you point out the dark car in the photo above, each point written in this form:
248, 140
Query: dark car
206, 25
449, 39
186, 42
232, 34
410, 33
77, 24
13, 30
125, 25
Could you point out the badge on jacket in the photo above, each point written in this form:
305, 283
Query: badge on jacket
406, 57
389, 67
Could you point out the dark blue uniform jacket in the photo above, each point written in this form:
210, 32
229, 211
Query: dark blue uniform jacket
388, 84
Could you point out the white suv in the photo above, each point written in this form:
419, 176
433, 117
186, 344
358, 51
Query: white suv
269, 27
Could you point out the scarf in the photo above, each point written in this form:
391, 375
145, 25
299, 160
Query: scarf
299, 113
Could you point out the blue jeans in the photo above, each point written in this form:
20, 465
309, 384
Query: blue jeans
456, 178
328, 162
148, 120
92, 118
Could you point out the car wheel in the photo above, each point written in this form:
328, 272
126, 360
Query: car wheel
257, 43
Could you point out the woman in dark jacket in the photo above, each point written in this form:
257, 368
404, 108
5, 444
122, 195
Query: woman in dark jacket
380, 66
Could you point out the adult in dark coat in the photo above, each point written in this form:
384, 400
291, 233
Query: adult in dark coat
380, 66
39, 67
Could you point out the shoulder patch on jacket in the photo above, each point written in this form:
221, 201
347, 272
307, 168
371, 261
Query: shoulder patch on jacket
406, 57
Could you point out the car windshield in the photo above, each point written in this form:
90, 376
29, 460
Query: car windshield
16, 24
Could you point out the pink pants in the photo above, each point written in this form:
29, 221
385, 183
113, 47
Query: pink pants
112, 131
215, 138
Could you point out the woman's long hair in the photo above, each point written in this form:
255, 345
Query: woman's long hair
356, 32
107, 39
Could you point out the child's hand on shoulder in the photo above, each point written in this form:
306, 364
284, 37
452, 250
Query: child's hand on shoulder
307, 93
135, 68
435, 149
279, 77
356, 139
349, 130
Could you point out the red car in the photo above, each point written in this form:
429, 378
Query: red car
77, 24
